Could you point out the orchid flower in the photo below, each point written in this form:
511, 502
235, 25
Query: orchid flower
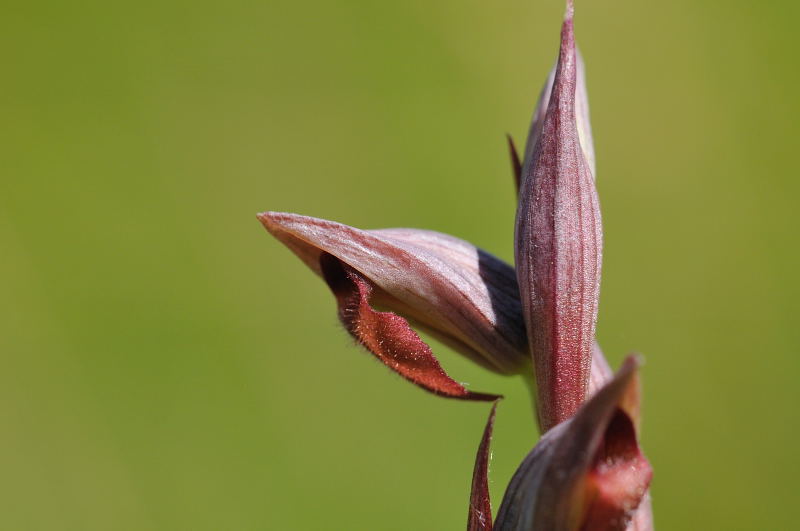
536, 319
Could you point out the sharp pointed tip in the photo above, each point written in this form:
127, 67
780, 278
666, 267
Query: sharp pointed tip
632, 362
567, 52
516, 162
511, 145
629, 368
482, 397
570, 12
266, 218
271, 219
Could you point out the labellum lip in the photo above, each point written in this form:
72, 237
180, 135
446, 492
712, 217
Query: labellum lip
461, 294
388, 336
588, 472
558, 248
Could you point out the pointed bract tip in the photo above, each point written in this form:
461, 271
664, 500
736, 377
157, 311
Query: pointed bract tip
273, 220
570, 12
516, 162
568, 33
630, 403
480, 509
630, 365
263, 217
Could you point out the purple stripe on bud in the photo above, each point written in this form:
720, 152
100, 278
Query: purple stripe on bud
558, 248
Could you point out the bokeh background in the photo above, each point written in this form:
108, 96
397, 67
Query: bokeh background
166, 365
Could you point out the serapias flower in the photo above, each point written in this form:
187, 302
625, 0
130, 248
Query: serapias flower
587, 473
459, 293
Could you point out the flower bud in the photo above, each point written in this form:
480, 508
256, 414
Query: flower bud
558, 247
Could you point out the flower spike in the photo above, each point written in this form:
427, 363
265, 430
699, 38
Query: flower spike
558, 248
587, 472
459, 293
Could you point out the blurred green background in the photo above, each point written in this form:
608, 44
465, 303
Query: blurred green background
167, 365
